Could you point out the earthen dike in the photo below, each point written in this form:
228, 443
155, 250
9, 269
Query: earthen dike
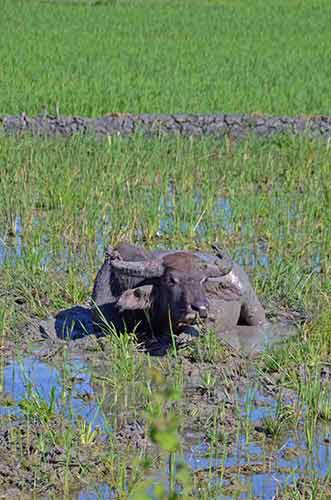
236, 126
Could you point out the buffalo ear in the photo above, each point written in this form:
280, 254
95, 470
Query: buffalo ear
135, 298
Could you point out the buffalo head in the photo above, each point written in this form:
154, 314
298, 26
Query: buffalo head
172, 287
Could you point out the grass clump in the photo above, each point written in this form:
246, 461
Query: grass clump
275, 425
310, 349
300, 365
208, 349
306, 489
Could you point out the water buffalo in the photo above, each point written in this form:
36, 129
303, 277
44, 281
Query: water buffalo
157, 290
231, 299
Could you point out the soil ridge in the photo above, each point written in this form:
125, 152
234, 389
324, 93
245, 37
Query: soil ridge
235, 126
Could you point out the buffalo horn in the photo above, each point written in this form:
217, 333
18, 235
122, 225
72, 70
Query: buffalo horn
216, 270
112, 254
224, 261
145, 269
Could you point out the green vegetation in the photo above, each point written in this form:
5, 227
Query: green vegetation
63, 201
267, 202
114, 416
95, 57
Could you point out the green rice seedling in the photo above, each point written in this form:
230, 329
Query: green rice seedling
248, 407
286, 284
310, 393
68, 439
208, 348
304, 353
208, 381
274, 425
39, 291
177, 372
3, 323
86, 433
319, 333
35, 406
17, 440
219, 439
123, 348
299, 364
325, 405
124, 372
3, 328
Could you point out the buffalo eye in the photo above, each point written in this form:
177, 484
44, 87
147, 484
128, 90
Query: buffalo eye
173, 281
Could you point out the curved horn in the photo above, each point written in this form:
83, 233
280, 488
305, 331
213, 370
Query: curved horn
218, 250
112, 254
218, 269
145, 269
222, 264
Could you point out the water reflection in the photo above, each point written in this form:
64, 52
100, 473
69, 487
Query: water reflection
98, 492
11, 246
286, 461
73, 380
249, 255
279, 466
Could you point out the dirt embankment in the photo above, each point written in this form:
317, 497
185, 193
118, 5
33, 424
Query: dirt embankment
235, 126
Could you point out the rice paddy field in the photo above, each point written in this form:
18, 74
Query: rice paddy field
96, 56
98, 418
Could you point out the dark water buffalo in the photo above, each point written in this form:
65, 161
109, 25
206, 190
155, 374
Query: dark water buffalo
155, 290
161, 291
231, 299
164, 290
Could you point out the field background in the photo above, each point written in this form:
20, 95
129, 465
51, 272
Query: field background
91, 58
62, 200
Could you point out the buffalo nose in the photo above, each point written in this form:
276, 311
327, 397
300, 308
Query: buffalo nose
202, 310
203, 313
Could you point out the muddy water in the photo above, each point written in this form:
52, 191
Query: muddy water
261, 467
77, 396
251, 340
30, 374
262, 473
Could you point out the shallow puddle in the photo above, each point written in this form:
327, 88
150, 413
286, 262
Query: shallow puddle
261, 472
71, 385
260, 466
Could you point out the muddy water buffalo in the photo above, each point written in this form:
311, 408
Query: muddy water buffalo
231, 299
155, 290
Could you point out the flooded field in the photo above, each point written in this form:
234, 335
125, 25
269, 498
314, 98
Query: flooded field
255, 462
242, 415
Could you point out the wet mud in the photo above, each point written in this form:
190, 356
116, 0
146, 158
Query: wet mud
29, 462
224, 398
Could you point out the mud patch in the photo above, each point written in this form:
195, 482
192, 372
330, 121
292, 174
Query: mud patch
37, 456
